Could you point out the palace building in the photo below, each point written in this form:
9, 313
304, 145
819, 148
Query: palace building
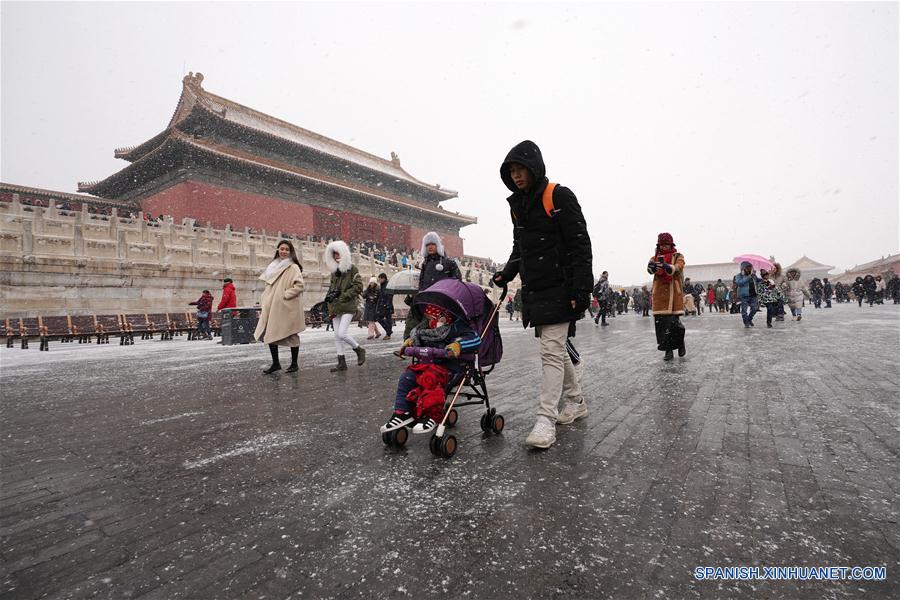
223, 163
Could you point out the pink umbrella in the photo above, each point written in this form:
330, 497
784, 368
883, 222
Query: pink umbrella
756, 260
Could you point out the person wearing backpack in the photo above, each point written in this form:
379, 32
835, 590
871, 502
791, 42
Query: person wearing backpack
551, 254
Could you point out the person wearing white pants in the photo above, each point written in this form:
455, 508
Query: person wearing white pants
343, 301
342, 337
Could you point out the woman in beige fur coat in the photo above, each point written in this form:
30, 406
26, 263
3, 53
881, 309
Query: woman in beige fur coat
282, 317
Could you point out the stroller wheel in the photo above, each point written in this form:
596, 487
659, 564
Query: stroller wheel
452, 418
434, 444
497, 423
400, 436
486, 419
448, 446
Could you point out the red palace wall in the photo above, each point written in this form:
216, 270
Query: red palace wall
224, 206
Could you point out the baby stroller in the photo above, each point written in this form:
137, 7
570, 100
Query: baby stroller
466, 301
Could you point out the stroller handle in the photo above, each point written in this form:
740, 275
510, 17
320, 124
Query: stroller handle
422, 352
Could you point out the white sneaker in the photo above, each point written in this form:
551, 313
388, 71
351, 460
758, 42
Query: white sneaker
424, 426
572, 411
397, 421
543, 435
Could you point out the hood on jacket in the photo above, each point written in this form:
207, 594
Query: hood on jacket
432, 238
343, 250
529, 156
228, 285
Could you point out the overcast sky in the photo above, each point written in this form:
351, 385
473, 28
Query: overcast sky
769, 128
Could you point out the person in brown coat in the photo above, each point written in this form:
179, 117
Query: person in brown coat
667, 268
282, 317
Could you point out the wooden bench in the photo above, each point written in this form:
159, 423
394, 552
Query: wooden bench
136, 323
28, 327
83, 327
159, 322
54, 328
183, 322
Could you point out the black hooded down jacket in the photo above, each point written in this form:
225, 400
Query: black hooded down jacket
436, 267
552, 256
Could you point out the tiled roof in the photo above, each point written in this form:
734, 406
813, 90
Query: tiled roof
193, 96
887, 260
804, 262
249, 159
32, 191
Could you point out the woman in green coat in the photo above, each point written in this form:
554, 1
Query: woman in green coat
343, 300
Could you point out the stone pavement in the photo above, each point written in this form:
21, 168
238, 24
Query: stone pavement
176, 470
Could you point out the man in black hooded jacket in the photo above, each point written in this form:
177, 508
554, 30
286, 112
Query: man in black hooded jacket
551, 254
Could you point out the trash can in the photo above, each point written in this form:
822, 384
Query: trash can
238, 325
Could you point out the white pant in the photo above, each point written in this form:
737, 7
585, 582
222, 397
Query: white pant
559, 377
342, 339
375, 328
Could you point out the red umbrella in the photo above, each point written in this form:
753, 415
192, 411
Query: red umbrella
756, 260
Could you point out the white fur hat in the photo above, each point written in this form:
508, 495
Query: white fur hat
343, 250
432, 238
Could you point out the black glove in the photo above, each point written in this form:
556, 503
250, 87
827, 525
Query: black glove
667, 267
582, 301
498, 278
652, 266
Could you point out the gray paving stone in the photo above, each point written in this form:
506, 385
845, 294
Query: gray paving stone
208, 480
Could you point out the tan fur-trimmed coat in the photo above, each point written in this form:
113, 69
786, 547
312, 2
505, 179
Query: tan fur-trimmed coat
282, 305
668, 297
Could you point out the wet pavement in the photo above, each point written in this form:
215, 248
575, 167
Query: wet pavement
177, 470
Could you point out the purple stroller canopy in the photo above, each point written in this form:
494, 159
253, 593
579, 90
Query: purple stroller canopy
463, 299
468, 301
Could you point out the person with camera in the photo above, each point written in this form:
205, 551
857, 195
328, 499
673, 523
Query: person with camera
551, 254
667, 268
343, 295
281, 316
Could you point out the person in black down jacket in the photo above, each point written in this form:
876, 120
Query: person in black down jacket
551, 254
384, 308
435, 266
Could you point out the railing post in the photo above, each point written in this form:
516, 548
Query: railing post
78, 239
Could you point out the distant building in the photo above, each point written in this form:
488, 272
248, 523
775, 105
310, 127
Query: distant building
220, 162
711, 272
883, 266
810, 269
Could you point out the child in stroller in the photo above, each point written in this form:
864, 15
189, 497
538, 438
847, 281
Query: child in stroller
453, 351
420, 391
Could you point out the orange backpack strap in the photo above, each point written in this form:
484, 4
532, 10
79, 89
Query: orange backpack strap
547, 199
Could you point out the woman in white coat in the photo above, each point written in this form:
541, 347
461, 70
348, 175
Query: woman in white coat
282, 317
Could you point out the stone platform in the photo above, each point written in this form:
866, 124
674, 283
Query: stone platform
176, 470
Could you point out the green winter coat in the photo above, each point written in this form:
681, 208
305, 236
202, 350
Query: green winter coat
349, 287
